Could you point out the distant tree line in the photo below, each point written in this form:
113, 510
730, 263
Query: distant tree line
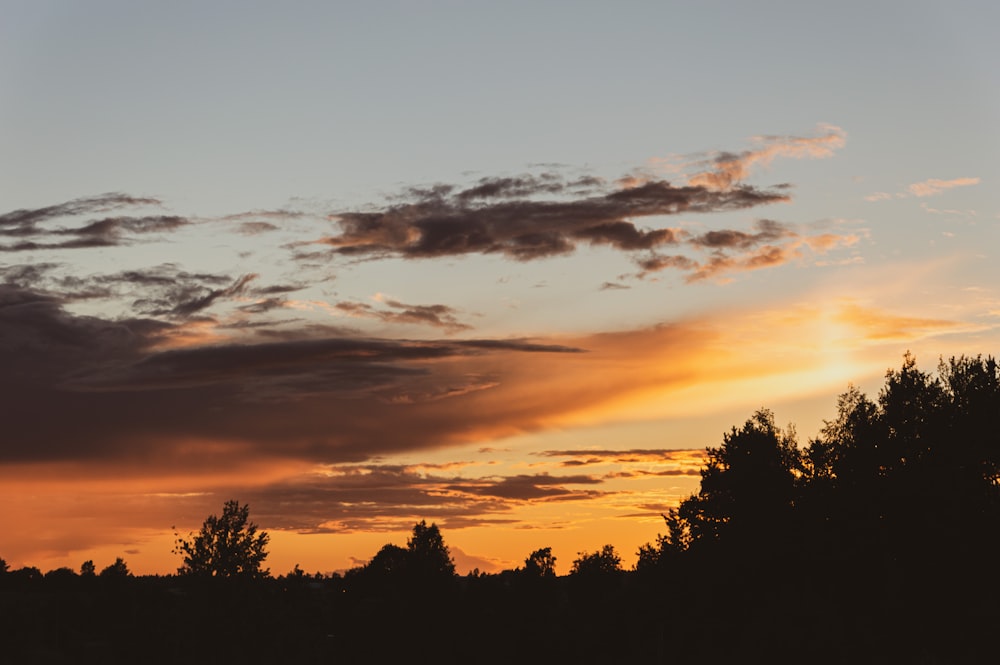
877, 541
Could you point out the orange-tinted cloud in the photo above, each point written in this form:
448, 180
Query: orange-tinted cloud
874, 325
727, 169
935, 186
929, 187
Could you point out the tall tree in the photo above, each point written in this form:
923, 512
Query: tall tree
226, 546
429, 556
747, 486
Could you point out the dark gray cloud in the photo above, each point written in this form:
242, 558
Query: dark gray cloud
161, 291
530, 487
83, 206
85, 388
108, 232
192, 303
373, 497
766, 231
505, 216
34, 232
657, 262
661, 473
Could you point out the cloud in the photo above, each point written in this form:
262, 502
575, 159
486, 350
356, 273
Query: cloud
525, 217
497, 217
196, 302
874, 325
529, 487
436, 316
968, 214
934, 186
27, 224
371, 497
930, 187
732, 251
586, 456
657, 262
727, 169
256, 228
826, 242
767, 231
82, 206
161, 365
113, 387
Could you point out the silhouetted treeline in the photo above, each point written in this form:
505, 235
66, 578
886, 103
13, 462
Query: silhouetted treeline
878, 541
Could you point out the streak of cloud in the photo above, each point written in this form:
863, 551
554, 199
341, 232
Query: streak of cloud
924, 188
30, 225
28, 218
738, 251
935, 186
727, 169
436, 316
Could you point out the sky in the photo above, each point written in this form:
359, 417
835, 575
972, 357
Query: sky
506, 267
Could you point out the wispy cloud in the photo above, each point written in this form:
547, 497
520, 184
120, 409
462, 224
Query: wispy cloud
727, 169
31, 226
771, 244
766, 231
929, 187
874, 325
934, 186
102, 203
436, 316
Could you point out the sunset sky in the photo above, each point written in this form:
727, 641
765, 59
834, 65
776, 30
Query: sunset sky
508, 267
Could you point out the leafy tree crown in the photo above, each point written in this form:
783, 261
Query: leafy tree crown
226, 546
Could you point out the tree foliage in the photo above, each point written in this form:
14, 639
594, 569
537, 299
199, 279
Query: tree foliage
429, 556
604, 561
390, 560
227, 546
540, 563
747, 485
117, 570
924, 457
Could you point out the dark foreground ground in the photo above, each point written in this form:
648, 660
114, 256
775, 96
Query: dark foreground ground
763, 612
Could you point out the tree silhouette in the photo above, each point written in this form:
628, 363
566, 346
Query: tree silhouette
747, 487
227, 546
87, 568
540, 563
391, 560
605, 561
117, 570
429, 556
